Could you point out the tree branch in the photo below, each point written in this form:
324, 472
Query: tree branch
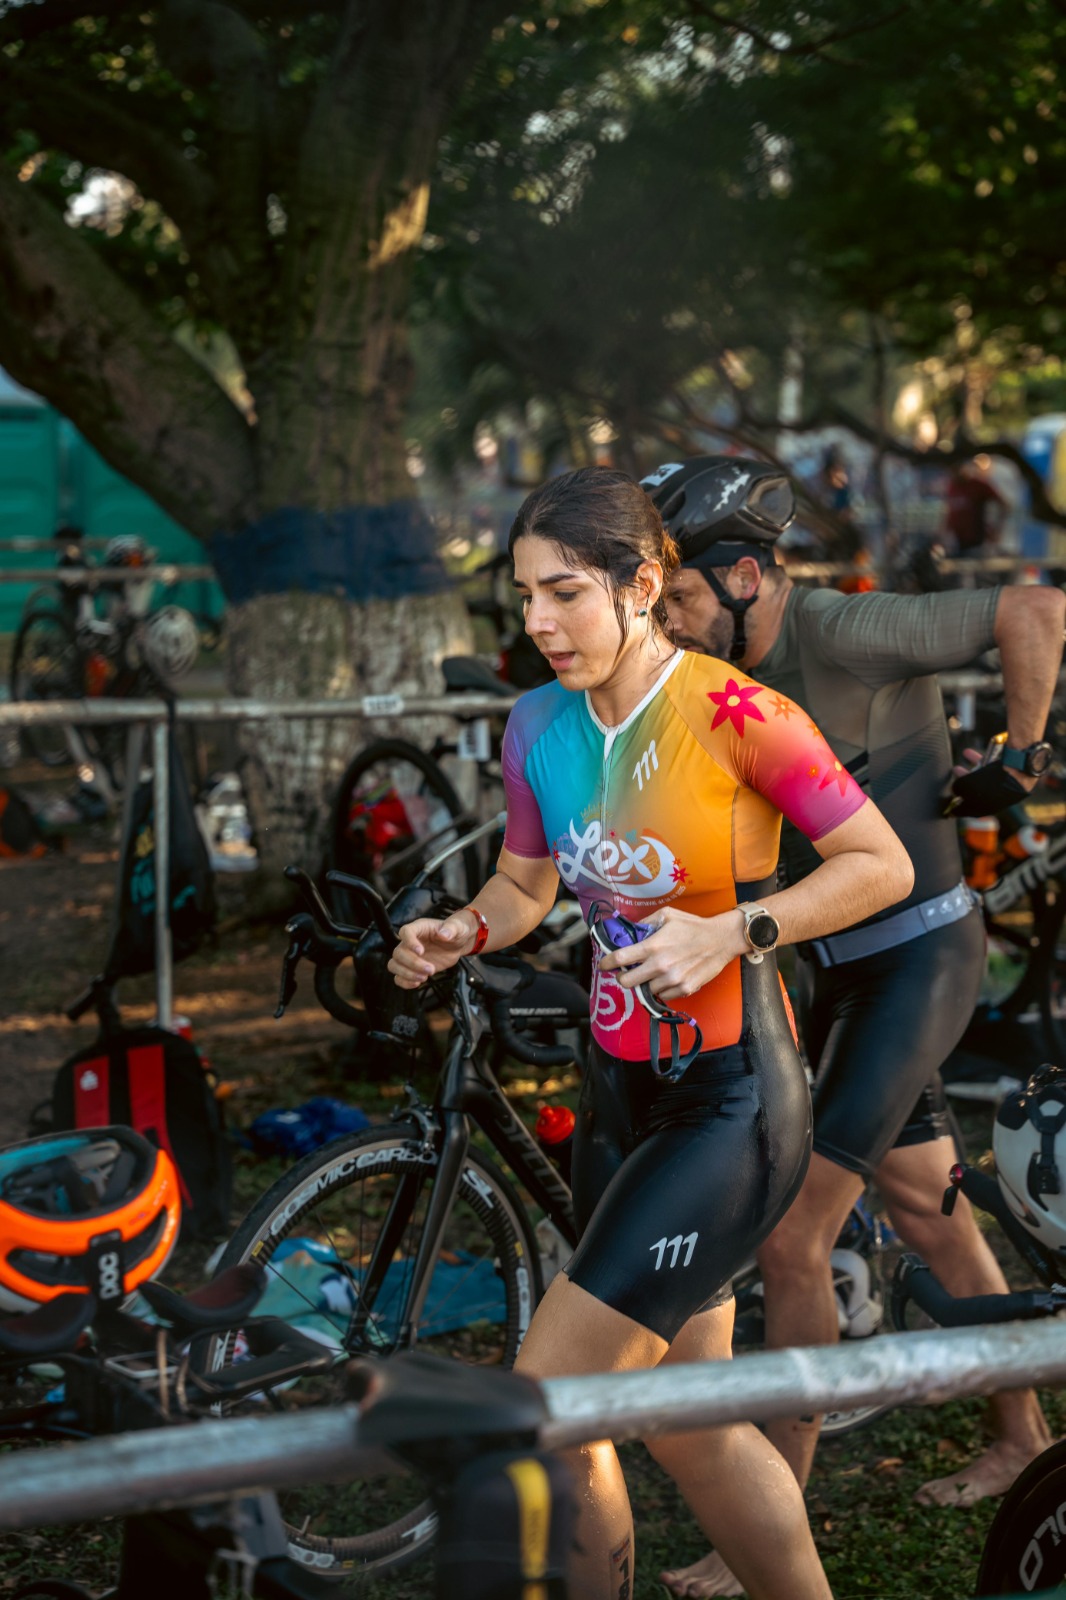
70, 330
814, 47
91, 127
964, 448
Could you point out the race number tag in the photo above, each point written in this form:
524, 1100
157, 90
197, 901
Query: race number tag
474, 743
382, 705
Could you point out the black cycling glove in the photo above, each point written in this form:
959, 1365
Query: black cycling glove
984, 792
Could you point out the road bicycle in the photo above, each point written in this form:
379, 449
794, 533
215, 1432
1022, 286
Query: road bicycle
395, 804
410, 1233
68, 648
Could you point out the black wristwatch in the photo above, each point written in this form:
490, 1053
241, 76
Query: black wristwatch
1034, 760
761, 930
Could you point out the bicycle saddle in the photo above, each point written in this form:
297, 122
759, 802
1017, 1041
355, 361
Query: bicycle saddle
230, 1296
50, 1329
467, 672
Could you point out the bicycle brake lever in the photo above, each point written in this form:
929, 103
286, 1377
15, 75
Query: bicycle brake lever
299, 945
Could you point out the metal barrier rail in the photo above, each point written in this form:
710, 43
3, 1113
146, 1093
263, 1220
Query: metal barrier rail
947, 564
168, 572
30, 546
179, 1466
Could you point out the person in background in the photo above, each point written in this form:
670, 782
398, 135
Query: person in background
974, 509
882, 1004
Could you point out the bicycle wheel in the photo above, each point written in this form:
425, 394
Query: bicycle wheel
315, 1232
394, 809
1025, 1551
46, 664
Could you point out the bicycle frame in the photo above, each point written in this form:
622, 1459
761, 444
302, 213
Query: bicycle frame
467, 1094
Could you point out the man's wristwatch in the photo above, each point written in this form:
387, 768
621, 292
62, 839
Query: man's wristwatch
1034, 760
761, 931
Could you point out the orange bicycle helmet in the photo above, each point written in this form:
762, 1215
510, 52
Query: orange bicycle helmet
96, 1211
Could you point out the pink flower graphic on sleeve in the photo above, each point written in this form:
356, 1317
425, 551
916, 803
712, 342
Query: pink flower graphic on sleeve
734, 704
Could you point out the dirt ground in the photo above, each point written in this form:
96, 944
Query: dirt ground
54, 932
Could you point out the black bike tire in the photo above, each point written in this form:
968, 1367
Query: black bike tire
37, 742
1036, 1499
381, 750
409, 1538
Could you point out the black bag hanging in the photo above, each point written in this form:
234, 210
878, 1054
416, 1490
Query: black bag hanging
155, 1081
192, 884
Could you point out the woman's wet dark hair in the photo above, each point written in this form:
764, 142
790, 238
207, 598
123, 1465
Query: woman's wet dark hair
604, 520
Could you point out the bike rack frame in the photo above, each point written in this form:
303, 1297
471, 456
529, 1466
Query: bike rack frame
131, 1473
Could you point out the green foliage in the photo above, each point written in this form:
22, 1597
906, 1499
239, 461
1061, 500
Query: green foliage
618, 231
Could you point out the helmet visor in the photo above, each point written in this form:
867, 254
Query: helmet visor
771, 504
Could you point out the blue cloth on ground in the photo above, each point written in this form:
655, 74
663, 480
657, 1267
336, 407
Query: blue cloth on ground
299, 1129
310, 1287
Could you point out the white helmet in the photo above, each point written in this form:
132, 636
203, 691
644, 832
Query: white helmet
1029, 1141
171, 642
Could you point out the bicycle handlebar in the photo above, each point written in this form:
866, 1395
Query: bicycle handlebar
915, 1281
330, 1001
522, 1048
371, 899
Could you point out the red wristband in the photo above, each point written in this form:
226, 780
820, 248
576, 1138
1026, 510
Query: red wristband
482, 937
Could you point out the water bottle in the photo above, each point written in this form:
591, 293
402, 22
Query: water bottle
981, 835
555, 1135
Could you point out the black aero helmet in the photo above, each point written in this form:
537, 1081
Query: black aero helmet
719, 508
714, 500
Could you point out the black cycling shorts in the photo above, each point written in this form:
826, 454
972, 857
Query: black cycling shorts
675, 1185
877, 1032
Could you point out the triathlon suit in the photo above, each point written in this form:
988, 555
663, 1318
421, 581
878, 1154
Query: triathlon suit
878, 1028
675, 1184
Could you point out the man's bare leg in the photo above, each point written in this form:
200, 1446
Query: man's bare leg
801, 1307
741, 1493
912, 1181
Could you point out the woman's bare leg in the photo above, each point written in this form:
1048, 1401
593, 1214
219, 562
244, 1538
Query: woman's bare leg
574, 1333
742, 1493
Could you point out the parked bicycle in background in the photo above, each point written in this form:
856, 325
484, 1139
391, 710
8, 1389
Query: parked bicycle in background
85, 638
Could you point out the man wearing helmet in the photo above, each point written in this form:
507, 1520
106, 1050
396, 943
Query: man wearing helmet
884, 1003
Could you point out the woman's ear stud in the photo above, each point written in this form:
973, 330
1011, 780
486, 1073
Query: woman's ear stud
643, 613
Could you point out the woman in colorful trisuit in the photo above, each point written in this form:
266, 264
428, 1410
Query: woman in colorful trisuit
653, 782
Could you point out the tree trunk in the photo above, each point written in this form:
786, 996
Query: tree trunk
308, 646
